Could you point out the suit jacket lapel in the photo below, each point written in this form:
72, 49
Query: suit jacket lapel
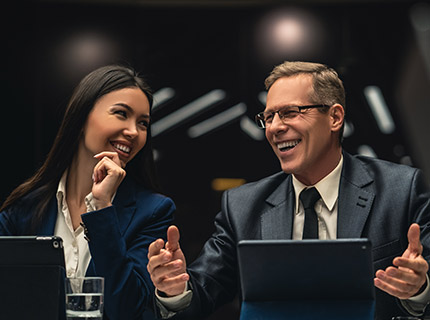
47, 227
125, 203
355, 200
277, 221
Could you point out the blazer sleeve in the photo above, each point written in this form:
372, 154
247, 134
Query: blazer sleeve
121, 256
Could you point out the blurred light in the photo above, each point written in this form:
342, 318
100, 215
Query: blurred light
262, 97
420, 20
406, 160
156, 154
250, 128
348, 130
85, 51
161, 96
290, 33
222, 184
367, 151
219, 120
189, 110
379, 109
420, 16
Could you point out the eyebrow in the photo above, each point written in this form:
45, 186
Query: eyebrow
130, 109
281, 107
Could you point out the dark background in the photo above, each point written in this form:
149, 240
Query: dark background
194, 47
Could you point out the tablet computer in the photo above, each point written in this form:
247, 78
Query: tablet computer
272, 270
32, 273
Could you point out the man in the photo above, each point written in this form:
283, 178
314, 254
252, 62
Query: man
359, 197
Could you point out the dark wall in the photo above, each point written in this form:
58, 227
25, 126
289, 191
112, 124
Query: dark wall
48, 47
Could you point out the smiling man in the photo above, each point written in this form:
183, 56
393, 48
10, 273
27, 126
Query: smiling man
354, 197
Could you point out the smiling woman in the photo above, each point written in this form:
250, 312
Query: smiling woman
82, 194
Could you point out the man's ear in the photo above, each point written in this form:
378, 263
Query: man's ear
337, 116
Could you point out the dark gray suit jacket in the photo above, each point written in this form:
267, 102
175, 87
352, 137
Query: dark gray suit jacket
377, 200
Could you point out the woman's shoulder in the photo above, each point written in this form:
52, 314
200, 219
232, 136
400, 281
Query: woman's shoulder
140, 193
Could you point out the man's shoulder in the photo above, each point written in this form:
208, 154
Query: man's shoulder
381, 164
379, 169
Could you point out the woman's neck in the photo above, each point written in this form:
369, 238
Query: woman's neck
79, 180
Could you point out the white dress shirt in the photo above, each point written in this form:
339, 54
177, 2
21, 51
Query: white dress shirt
76, 251
325, 208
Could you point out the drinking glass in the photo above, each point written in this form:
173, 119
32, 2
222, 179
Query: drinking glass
84, 298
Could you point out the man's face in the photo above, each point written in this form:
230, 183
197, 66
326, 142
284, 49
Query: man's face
306, 146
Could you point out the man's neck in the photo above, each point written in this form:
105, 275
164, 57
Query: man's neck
324, 169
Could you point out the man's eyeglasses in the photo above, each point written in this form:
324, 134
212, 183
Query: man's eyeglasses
264, 119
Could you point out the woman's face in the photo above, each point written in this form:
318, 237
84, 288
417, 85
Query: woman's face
118, 122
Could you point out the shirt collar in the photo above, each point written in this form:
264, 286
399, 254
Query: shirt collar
328, 187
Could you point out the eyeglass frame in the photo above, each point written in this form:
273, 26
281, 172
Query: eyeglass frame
262, 124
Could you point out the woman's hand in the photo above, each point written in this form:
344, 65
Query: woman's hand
107, 176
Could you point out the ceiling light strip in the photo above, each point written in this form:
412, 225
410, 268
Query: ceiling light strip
217, 121
189, 110
161, 96
250, 128
379, 109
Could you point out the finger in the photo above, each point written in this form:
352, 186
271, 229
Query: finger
417, 265
111, 155
174, 285
172, 238
393, 286
155, 247
167, 270
105, 167
406, 275
414, 239
159, 260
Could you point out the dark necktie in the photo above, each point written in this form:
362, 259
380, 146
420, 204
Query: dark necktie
308, 197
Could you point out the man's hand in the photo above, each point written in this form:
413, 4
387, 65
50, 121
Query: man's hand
167, 266
407, 277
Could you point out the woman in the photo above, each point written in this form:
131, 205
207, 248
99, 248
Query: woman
106, 218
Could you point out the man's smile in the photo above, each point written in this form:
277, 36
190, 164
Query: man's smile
288, 145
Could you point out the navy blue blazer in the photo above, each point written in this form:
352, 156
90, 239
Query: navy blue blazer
119, 239
377, 200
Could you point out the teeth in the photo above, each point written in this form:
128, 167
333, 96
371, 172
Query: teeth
288, 144
122, 148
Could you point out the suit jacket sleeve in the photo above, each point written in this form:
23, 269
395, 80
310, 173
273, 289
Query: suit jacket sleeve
213, 274
119, 251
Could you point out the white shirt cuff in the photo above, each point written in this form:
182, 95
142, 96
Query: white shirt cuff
417, 305
178, 302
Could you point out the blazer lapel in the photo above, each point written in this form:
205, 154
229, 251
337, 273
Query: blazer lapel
47, 227
355, 198
277, 221
125, 203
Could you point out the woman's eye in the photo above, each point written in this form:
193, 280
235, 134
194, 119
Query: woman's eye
144, 123
121, 113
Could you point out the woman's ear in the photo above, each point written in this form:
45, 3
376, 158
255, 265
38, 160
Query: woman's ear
337, 116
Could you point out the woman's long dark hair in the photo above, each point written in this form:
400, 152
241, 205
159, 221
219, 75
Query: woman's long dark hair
91, 88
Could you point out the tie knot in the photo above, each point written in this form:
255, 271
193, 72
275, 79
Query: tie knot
309, 196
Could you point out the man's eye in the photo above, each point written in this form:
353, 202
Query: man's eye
268, 118
289, 113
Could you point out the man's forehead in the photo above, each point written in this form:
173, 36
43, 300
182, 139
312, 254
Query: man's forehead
289, 91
